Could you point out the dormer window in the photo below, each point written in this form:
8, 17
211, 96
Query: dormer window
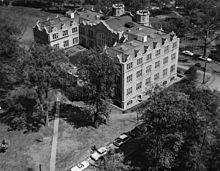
62, 25
145, 49
136, 53
71, 23
154, 45
51, 29
163, 41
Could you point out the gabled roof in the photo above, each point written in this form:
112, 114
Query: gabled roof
56, 22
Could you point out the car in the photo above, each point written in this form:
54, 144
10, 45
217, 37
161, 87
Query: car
187, 52
205, 59
123, 138
81, 166
97, 154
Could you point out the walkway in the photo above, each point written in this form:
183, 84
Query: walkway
54, 142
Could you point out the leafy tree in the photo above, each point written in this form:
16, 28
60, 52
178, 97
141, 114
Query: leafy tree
183, 119
97, 71
164, 113
191, 73
9, 56
113, 161
41, 72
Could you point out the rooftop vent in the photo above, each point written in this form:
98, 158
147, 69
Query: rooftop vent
129, 25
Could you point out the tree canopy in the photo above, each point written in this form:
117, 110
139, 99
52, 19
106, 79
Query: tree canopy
182, 121
97, 71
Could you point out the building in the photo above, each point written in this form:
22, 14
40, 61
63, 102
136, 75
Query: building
147, 56
60, 31
148, 60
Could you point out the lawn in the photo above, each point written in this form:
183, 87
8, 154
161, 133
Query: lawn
24, 18
25, 151
74, 142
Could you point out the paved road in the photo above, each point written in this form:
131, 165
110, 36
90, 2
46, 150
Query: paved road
54, 142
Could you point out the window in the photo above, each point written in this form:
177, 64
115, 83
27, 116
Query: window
129, 78
139, 73
172, 68
149, 57
174, 45
139, 61
129, 91
55, 36
91, 44
138, 86
148, 81
164, 83
165, 60
157, 64
129, 102
148, 69
66, 43
65, 32
166, 49
156, 76
136, 53
71, 23
173, 56
90, 33
74, 30
129, 65
165, 72
56, 45
75, 40
83, 41
157, 52
82, 30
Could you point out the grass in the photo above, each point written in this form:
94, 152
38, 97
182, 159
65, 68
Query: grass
74, 143
24, 18
24, 151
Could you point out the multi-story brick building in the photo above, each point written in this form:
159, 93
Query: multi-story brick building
61, 31
147, 56
145, 61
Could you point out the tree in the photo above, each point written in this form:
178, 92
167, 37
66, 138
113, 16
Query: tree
97, 71
164, 113
41, 72
191, 73
206, 24
204, 19
113, 161
182, 120
9, 57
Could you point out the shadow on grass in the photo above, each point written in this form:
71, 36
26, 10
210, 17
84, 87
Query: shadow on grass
76, 116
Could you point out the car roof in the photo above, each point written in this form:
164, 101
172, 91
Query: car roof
102, 149
123, 136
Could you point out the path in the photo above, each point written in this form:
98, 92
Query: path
54, 142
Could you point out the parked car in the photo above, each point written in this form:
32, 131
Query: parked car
204, 59
187, 52
97, 154
123, 138
81, 166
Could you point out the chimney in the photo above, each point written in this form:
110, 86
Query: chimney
142, 17
70, 14
118, 10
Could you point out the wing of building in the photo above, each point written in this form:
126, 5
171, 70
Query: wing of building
146, 56
60, 31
